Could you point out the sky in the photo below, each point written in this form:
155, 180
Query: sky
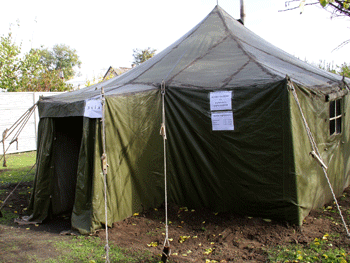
104, 33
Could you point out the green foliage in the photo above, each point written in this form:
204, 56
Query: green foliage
337, 4
320, 250
37, 70
93, 81
62, 59
49, 81
343, 69
9, 62
339, 7
336, 7
141, 56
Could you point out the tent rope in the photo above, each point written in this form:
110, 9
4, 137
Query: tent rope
20, 124
166, 247
316, 155
104, 169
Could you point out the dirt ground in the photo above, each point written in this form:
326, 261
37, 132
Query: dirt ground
196, 236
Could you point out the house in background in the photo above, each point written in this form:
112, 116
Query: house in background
113, 72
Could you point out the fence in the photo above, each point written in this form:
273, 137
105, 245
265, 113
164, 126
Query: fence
12, 107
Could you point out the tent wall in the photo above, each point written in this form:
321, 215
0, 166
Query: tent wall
135, 156
40, 199
82, 210
248, 170
313, 189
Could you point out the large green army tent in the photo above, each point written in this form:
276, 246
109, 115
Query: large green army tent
236, 139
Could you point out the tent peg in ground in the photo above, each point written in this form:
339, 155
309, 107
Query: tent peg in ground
166, 253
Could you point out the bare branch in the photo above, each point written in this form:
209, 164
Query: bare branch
342, 45
339, 8
289, 9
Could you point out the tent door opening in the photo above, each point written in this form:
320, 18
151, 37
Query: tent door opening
66, 147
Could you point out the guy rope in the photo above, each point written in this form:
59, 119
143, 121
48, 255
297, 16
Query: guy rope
166, 247
104, 169
315, 153
19, 126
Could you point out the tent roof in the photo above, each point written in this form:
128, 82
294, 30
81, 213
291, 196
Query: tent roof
218, 53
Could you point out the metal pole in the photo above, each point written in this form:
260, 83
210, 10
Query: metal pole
242, 11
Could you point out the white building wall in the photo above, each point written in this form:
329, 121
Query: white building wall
12, 106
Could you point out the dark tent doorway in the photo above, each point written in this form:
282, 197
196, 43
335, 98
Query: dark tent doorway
65, 153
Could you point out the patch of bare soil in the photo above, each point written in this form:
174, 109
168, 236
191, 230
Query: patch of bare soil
201, 235
197, 235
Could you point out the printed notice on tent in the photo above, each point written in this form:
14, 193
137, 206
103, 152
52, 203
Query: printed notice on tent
93, 109
222, 121
220, 100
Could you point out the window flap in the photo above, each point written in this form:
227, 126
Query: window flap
336, 95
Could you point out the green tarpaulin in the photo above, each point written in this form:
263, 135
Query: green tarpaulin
236, 140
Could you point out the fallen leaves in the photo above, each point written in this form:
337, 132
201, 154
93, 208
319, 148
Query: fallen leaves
153, 244
183, 239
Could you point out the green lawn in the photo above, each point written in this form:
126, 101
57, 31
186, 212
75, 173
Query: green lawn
18, 166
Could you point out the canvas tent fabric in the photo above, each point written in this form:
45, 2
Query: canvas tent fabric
260, 166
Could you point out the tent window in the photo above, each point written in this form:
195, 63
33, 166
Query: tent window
335, 117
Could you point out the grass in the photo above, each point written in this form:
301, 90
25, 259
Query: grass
76, 249
320, 250
91, 249
7, 217
18, 165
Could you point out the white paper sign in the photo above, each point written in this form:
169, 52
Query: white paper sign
221, 100
93, 109
222, 121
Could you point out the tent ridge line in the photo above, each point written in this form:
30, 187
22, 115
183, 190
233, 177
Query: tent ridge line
189, 35
199, 58
252, 58
237, 40
235, 74
289, 62
224, 22
299, 82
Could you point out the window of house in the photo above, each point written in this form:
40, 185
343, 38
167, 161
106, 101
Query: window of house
335, 117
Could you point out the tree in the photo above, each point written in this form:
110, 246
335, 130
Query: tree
342, 70
141, 56
9, 61
28, 72
336, 7
62, 59
16, 72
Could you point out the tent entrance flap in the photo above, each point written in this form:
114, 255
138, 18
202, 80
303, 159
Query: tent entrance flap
66, 147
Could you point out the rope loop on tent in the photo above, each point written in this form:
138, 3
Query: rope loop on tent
315, 153
19, 126
166, 247
104, 169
